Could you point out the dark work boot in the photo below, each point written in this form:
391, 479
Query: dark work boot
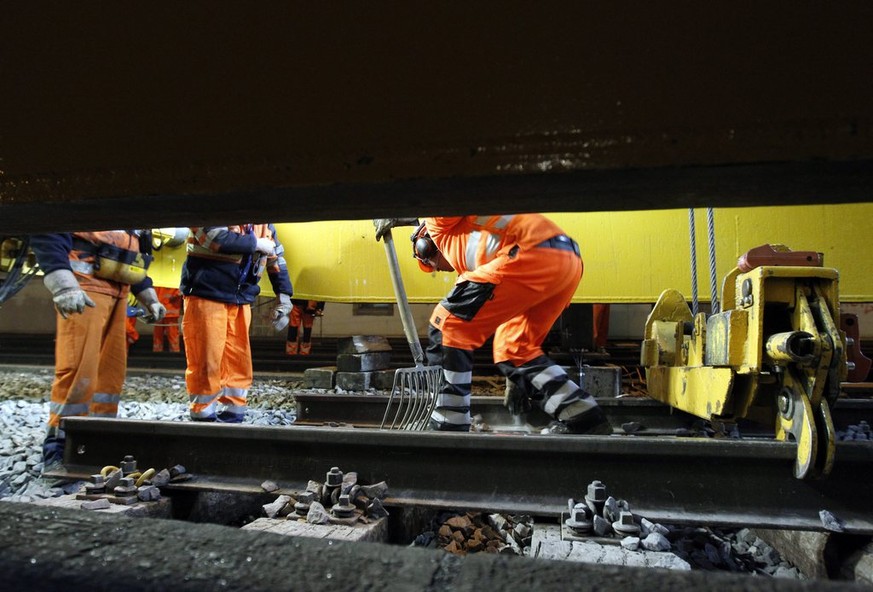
584, 417
52, 453
229, 417
434, 426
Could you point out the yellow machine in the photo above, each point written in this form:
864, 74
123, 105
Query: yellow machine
775, 355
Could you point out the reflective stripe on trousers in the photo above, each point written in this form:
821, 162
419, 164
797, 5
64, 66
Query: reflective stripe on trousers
229, 406
546, 384
452, 410
202, 407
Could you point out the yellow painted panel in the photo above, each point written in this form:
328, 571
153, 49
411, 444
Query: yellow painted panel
629, 256
166, 269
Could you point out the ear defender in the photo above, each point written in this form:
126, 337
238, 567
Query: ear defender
423, 247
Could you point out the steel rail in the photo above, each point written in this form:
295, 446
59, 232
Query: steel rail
652, 417
670, 480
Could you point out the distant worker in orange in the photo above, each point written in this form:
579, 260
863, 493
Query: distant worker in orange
171, 298
130, 331
601, 325
220, 279
517, 274
90, 275
302, 315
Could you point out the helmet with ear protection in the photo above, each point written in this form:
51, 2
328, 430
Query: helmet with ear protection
427, 253
423, 248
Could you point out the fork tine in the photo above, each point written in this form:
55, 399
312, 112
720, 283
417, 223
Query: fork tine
415, 393
398, 389
418, 396
388, 406
405, 402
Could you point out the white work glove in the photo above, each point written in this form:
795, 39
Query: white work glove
66, 293
383, 225
280, 312
155, 311
265, 246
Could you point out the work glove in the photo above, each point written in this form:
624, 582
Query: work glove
66, 293
383, 225
265, 246
515, 399
280, 312
155, 311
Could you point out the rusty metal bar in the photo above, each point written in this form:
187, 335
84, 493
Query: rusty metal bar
672, 480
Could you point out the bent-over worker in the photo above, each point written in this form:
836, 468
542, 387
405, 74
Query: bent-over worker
517, 274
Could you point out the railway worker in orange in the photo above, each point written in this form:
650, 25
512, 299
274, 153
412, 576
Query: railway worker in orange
302, 316
219, 284
90, 275
171, 298
517, 274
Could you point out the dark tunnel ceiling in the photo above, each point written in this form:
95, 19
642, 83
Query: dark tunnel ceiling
289, 111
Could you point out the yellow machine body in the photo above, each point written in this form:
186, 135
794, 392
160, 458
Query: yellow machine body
774, 355
630, 257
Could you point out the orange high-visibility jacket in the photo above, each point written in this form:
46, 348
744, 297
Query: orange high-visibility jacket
471, 243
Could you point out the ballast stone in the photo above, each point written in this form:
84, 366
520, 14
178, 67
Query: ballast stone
323, 378
363, 362
354, 381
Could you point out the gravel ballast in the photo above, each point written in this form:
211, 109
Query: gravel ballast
24, 400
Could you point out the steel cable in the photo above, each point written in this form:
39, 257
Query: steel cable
713, 277
695, 305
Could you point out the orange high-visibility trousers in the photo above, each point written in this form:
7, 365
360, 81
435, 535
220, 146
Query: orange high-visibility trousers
130, 331
535, 286
169, 328
217, 348
601, 324
299, 318
90, 360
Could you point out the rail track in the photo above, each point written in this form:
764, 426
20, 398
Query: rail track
724, 482
719, 481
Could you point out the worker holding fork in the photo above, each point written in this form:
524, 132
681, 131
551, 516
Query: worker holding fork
516, 275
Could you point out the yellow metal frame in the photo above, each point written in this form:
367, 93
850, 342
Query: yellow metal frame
774, 356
